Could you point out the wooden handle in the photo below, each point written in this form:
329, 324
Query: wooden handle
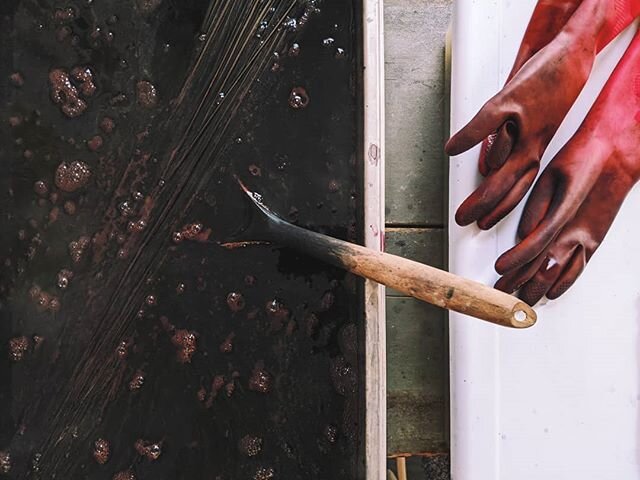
439, 288
401, 463
421, 281
426, 283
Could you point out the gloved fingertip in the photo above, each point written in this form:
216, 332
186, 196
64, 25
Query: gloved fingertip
460, 142
532, 294
451, 147
463, 218
559, 289
529, 301
504, 285
505, 263
488, 222
499, 266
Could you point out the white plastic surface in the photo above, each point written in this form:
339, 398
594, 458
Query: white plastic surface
561, 400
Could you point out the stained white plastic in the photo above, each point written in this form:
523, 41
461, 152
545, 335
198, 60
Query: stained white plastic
561, 400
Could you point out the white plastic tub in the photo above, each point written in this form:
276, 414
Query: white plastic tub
558, 401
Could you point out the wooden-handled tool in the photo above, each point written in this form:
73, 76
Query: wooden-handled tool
426, 283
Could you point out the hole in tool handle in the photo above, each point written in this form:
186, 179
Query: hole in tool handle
520, 316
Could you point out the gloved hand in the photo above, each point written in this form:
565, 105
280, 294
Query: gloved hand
577, 197
527, 112
548, 19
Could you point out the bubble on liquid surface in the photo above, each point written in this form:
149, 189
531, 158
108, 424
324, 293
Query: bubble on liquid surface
44, 301
148, 6
250, 445
101, 451
329, 41
137, 381
64, 14
255, 170
262, 27
327, 300
192, 231
294, 50
41, 188
298, 98
16, 79
70, 177
70, 207
278, 313
118, 99
186, 342
18, 348
64, 278
260, 380
147, 94
78, 247
235, 301
217, 384
264, 473
227, 345
125, 475
343, 376
150, 450
5, 462
65, 94
107, 125
291, 24
229, 388
84, 77
35, 462
123, 349
37, 341
126, 209
331, 434
137, 226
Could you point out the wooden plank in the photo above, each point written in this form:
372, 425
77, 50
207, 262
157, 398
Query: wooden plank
375, 332
415, 39
417, 378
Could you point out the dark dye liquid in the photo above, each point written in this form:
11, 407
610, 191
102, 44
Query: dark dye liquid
132, 345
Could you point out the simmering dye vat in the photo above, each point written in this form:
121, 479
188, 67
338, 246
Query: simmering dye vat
131, 344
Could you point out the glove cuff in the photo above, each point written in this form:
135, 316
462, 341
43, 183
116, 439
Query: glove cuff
623, 14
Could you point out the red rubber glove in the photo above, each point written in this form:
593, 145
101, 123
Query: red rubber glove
555, 75
548, 19
577, 197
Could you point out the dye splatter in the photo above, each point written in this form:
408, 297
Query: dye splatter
131, 344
